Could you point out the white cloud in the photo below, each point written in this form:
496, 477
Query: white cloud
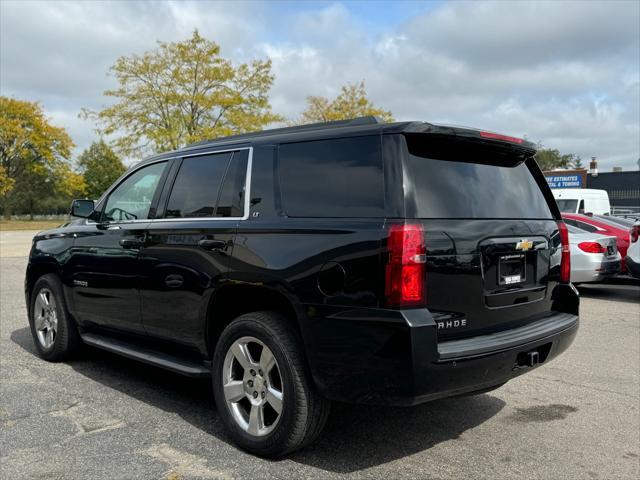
564, 73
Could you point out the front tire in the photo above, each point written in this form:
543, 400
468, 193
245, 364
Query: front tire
54, 332
262, 389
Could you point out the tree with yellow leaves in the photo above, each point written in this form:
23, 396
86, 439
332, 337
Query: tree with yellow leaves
183, 92
32, 153
352, 102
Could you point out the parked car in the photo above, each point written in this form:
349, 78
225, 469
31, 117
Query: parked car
632, 259
594, 257
602, 225
623, 221
387, 264
582, 200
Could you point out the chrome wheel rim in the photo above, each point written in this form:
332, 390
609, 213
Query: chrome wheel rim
45, 317
252, 386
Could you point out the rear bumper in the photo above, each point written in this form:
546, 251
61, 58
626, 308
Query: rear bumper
394, 358
596, 272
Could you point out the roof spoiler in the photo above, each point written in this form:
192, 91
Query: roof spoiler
475, 135
458, 143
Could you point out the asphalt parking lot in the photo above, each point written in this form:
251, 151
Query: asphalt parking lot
101, 416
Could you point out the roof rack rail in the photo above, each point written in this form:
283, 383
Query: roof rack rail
353, 122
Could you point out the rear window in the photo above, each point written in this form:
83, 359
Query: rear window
581, 225
332, 178
463, 187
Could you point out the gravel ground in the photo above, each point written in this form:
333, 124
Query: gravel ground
102, 416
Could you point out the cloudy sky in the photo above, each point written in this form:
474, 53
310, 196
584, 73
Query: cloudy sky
563, 73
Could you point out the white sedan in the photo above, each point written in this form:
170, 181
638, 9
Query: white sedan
594, 257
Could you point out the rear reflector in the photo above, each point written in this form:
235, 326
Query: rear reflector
405, 270
497, 136
565, 259
591, 247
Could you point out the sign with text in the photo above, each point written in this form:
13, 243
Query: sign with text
566, 179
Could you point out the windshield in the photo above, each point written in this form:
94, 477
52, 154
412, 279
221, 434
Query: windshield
569, 206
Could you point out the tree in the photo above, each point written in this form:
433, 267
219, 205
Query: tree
183, 92
31, 151
548, 159
577, 162
6, 182
100, 167
352, 102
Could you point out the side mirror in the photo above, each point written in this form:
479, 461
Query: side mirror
81, 208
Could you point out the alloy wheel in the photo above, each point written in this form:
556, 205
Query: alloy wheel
45, 317
252, 386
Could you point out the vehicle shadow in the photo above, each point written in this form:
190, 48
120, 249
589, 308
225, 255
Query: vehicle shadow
628, 291
356, 437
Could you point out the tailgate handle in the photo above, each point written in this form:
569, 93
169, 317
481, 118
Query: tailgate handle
211, 244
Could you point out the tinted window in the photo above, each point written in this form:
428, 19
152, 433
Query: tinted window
131, 200
573, 229
231, 203
332, 178
581, 225
195, 190
461, 188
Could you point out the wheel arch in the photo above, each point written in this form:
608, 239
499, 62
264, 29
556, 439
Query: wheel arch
35, 270
232, 301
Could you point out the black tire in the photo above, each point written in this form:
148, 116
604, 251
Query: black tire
66, 340
304, 412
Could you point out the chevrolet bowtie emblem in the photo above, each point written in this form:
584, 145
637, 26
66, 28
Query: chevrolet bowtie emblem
524, 245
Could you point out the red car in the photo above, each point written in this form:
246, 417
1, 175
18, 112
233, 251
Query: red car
602, 225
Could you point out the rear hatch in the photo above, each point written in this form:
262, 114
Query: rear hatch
490, 229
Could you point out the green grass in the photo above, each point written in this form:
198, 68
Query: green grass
6, 225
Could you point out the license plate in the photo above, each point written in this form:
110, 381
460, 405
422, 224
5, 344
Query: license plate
611, 250
511, 269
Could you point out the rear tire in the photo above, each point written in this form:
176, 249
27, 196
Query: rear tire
274, 372
53, 330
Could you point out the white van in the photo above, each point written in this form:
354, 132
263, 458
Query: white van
582, 200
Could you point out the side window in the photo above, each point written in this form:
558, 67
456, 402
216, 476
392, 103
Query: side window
588, 227
209, 186
131, 200
581, 207
195, 190
231, 201
332, 178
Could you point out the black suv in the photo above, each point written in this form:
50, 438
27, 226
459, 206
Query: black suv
351, 261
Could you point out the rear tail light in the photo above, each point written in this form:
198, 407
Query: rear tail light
565, 259
634, 233
591, 247
405, 270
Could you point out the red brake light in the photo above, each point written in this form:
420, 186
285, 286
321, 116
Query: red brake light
565, 259
634, 233
405, 270
497, 136
591, 247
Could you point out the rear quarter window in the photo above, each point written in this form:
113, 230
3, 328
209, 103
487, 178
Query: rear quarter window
331, 178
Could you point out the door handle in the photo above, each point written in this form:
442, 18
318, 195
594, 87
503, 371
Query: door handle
130, 243
210, 244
